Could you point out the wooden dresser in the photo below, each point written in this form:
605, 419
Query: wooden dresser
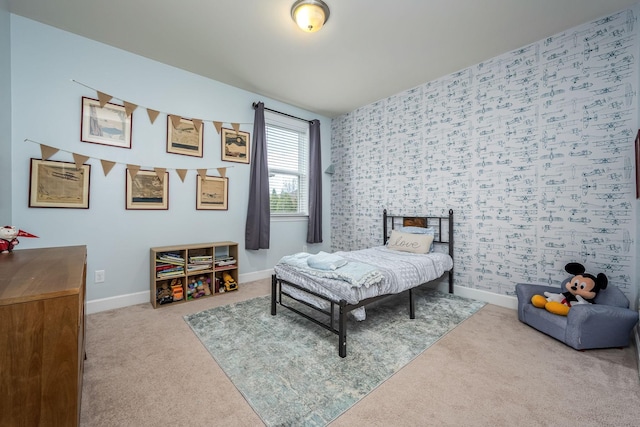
42, 293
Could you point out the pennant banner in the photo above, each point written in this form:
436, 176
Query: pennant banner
47, 151
182, 173
103, 98
175, 120
129, 107
160, 172
236, 126
133, 170
218, 126
80, 160
197, 123
107, 166
153, 114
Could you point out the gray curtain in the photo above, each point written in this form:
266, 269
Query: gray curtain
314, 230
258, 228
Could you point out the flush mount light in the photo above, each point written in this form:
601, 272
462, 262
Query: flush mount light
310, 15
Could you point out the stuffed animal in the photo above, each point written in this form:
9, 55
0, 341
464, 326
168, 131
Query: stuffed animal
582, 288
176, 289
8, 239
163, 294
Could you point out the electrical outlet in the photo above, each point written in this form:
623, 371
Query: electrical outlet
99, 276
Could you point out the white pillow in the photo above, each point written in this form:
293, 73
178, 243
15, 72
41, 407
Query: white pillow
408, 242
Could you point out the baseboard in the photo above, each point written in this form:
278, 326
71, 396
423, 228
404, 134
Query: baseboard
103, 304
506, 301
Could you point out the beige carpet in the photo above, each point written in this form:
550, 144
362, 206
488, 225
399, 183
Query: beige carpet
146, 368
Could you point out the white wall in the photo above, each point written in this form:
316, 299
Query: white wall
47, 109
5, 115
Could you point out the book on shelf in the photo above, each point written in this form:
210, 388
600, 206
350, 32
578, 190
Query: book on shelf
169, 261
200, 258
225, 263
198, 267
167, 274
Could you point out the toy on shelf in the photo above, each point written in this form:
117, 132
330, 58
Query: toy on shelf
163, 294
191, 289
205, 282
177, 290
229, 282
8, 239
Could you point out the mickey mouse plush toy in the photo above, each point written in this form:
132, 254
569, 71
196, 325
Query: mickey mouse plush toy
582, 288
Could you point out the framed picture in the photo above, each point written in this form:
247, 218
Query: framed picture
184, 139
212, 193
147, 191
638, 165
54, 184
235, 146
108, 125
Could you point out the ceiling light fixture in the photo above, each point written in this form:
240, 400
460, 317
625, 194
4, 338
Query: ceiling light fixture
310, 15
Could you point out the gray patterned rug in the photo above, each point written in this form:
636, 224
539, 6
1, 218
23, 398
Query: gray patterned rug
288, 368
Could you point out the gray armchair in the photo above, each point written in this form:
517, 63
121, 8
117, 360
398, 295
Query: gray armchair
607, 323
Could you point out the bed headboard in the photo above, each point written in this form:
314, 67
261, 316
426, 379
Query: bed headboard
443, 230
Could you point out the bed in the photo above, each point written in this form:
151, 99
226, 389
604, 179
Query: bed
416, 250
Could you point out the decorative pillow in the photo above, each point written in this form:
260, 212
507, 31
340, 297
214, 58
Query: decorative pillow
420, 230
409, 242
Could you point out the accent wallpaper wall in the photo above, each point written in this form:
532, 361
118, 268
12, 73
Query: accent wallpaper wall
533, 150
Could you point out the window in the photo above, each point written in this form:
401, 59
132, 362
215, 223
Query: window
288, 158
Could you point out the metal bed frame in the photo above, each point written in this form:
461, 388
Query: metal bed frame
343, 308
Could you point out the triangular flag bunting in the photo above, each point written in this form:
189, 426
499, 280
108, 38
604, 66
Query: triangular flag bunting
133, 170
202, 173
22, 233
153, 114
182, 173
160, 172
236, 126
47, 151
218, 126
107, 166
222, 171
104, 98
175, 120
79, 159
129, 107
197, 123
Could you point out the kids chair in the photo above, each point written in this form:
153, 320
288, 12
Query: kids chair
607, 323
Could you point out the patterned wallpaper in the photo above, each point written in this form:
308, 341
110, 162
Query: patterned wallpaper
533, 150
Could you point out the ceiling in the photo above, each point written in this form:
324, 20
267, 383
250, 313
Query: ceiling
368, 49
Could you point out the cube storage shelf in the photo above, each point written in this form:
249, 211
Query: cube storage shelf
189, 272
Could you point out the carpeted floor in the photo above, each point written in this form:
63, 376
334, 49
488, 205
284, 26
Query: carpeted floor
289, 370
146, 367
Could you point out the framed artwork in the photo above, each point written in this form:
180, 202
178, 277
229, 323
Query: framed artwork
638, 165
184, 139
212, 193
54, 184
235, 146
108, 125
146, 191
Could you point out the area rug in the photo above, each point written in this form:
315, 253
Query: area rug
288, 368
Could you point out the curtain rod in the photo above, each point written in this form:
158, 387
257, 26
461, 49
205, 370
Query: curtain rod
255, 104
